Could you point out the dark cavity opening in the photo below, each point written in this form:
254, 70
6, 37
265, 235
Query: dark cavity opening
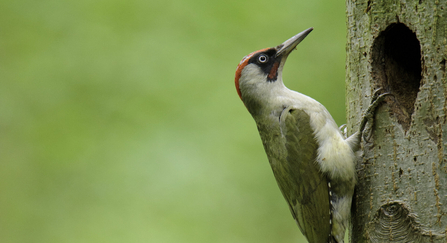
397, 68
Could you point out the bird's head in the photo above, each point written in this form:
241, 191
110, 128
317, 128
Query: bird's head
260, 73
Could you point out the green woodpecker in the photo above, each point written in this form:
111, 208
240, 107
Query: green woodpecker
311, 159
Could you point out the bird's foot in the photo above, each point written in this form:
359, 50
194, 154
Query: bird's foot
344, 130
368, 118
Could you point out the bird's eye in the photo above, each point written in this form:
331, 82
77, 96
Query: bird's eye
263, 59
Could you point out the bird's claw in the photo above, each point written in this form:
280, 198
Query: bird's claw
344, 130
368, 118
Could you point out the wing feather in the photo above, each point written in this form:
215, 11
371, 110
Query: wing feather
303, 185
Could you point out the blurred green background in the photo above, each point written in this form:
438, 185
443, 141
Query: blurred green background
120, 121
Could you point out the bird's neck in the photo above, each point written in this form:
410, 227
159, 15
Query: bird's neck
265, 99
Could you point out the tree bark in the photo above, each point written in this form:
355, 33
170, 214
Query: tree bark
400, 47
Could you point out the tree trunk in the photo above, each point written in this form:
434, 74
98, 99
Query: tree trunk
399, 46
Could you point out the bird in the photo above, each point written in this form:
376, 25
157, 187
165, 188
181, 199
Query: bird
312, 160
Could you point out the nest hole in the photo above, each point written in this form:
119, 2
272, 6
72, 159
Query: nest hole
397, 68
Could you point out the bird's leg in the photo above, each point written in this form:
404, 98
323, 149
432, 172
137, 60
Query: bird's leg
368, 117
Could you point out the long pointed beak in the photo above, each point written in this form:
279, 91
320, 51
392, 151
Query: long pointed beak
290, 44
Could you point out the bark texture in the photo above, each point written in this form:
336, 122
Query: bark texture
399, 46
